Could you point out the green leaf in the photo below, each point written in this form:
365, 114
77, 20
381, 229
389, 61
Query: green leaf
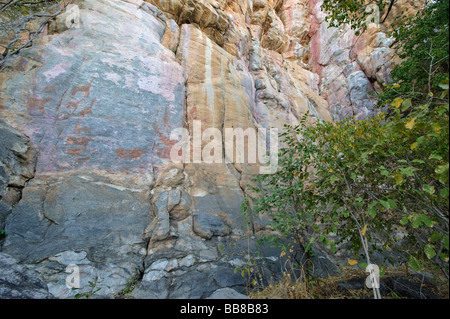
384, 203
444, 84
435, 237
406, 104
444, 192
426, 220
383, 171
404, 220
333, 246
408, 171
382, 271
414, 146
446, 242
435, 156
428, 189
442, 171
429, 251
416, 221
363, 265
392, 204
436, 128
371, 211
415, 264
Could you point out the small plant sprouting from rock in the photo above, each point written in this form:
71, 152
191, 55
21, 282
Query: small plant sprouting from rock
94, 289
132, 281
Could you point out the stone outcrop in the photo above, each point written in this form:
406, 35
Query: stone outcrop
17, 160
98, 101
349, 66
20, 281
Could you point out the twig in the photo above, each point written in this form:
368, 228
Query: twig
8, 4
32, 35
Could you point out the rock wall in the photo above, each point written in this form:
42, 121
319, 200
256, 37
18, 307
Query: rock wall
97, 103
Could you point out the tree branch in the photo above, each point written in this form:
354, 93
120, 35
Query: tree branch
391, 4
9, 51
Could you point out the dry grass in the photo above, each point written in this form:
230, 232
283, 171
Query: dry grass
328, 288
313, 289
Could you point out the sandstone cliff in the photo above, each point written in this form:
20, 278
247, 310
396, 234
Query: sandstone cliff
97, 103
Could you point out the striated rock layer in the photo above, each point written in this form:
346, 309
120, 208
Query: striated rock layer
98, 103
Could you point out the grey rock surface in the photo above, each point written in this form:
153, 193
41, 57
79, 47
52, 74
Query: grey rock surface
207, 225
227, 293
17, 161
20, 281
86, 220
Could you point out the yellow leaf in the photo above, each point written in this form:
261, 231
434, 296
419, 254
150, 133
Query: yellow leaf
436, 128
336, 148
364, 230
414, 146
398, 178
352, 262
359, 132
397, 102
396, 86
411, 123
330, 170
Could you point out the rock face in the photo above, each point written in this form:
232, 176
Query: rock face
349, 66
98, 102
19, 281
17, 161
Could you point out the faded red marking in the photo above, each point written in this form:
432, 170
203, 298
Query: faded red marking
83, 141
38, 103
74, 105
50, 89
164, 152
166, 118
82, 129
193, 114
84, 112
75, 151
21, 65
130, 154
86, 89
